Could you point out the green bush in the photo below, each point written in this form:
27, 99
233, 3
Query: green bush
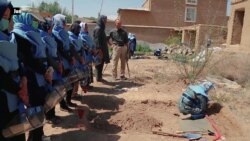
173, 40
143, 48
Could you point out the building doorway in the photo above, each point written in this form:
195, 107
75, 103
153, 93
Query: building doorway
237, 26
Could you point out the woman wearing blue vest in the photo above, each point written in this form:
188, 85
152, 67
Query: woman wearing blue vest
32, 52
89, 49
194, 100
45, 29
66, 53
13, 86
77, 44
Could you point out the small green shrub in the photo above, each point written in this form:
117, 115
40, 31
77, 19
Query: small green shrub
143, 48
173, 40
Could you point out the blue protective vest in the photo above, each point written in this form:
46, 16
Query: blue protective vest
63, 36
9, 62
189, 95
51, 46
50, 42
78, 44
84, 36
40, 48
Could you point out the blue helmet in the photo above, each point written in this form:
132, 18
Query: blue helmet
207, 85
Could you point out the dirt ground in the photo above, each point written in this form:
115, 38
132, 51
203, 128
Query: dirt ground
129, 110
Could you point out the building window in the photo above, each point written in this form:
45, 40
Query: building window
192, 2
190, 14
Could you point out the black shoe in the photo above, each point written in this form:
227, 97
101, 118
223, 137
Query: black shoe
123, 78
71, 104
66, 109
90, 87
55, 120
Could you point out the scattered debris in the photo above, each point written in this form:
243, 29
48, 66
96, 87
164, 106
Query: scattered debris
144, 102
224, 83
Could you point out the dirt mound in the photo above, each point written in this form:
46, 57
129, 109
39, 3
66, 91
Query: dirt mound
136, 116
136, 122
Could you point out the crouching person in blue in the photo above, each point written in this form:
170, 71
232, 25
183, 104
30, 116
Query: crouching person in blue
13, 85
194, 101
32, 52
64, 51
45, 29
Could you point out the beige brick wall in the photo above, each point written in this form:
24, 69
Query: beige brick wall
245, 34
151, 34
171, 13
216, 33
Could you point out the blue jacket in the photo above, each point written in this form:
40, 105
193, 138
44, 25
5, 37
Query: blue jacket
23, 28
84, 36
9, 62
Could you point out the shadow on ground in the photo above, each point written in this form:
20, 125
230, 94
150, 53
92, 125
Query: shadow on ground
214, 108
79, 135
102, 102
97, 122
117, 87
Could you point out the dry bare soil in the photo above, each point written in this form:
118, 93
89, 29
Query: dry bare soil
129, 110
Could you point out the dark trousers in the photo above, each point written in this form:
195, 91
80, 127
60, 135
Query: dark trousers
68, 98
90, 78
51, 114
36, 135
63, 103
37, 98
99, 69
6, 117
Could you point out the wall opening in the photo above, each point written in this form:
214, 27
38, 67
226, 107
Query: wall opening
237, 26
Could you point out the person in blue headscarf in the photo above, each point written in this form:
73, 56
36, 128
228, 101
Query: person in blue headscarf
45, 29
77, 47
194, 100
32, 52
66, 53
131, 44
89, 49
13, 85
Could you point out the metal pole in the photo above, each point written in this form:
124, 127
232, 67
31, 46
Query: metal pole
99, 13
72, 18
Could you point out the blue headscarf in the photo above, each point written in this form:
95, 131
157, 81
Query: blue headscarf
23, 27
74, 40
58, 30
3, 6
48, 38
8, 51
84, 36
8, 58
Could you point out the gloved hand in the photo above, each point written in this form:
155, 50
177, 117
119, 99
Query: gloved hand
99, 53
60, 68
49, 75
73, 61
82, 61
23, 92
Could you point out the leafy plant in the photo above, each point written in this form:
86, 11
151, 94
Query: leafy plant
191, 67
143, 48
173, 40
55, 8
